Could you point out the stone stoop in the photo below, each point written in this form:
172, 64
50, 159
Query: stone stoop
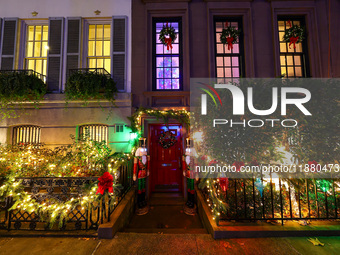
120, 217
262, 229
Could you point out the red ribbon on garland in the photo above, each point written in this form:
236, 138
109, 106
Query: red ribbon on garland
168, 42
238, 165
313, 164
289, 23
230, 42
293, 40
224, 182
105, 183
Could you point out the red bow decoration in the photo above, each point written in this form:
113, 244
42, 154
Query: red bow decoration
238, 165
224, 182
105, 183
293, 40
204, 157
230, 42
289, 23
213, 162
168, 42
312, 163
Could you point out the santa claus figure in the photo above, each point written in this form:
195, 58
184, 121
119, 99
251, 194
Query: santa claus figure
190, 174
141, 170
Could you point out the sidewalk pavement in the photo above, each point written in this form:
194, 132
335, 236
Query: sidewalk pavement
158, 243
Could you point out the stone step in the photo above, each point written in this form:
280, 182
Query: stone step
166, 199
156, 201
166, 195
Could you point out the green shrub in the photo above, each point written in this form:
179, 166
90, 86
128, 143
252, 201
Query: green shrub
90, 85
16, 88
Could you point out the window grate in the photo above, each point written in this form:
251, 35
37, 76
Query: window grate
27, 134
95, 132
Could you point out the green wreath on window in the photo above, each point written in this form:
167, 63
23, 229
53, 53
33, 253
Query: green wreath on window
294, 34
294, 31
167, 35
167, 139
229, 35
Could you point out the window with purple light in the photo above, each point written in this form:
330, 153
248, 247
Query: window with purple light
229, 63
167, 63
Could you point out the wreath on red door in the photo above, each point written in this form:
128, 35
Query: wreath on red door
167, 139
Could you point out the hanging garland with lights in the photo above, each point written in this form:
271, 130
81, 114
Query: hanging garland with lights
293, 35
229, 36
182, 116
167, 35
167, 139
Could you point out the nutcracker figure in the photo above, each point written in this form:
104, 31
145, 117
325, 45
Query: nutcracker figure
141, 170
190, 173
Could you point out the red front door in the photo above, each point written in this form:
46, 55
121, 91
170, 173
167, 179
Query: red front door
165, 174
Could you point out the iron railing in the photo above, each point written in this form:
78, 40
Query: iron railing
90, 70
45, 189
26, 72
281, 199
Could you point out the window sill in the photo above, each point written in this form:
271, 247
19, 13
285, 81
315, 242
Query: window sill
166, 93
174, 99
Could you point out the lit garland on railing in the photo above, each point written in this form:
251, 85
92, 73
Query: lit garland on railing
78, 160
56, 210
214, 189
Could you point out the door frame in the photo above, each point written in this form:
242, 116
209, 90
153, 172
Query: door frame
182, 134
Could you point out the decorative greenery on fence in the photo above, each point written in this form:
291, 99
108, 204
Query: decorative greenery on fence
83, 158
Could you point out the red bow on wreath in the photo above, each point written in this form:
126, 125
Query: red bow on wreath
293, 40
105, 183
168, 42
312, 164
230, 42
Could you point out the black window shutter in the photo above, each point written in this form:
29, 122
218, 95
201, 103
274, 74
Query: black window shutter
119, 51
8, 43
73, 43
54, 73
0, 36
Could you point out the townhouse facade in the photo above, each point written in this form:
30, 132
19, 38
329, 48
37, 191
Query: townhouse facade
161, 75
122, 38
53, 40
